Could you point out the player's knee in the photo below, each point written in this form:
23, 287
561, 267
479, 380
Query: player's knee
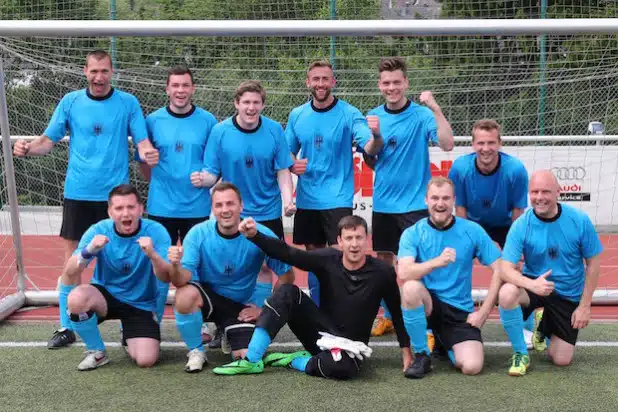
412, 294
78, 299
508, 297
187, 299
287, 292
561, 359
146, 359
472, 367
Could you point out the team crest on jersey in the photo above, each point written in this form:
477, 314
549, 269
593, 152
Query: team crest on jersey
318, 141
552, 252
487, 204
97, 129
249, 161
229, 269
392, 142
126, 268
179, 146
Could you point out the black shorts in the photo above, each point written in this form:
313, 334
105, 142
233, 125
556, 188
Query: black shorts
276, 225
79, 215
318, 227
136, 323
386, 228
449, 324
498, 234
177, 225
224, 313
557, 312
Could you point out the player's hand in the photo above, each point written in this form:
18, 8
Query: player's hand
541, 286
151, 157
174, 253
145, 243
406, 357
580, 317
97, 244
290, 209
249, 314
447, 257
248, 227
426, 98
374, 124
476, 319
21, 148
197, 179
299, 167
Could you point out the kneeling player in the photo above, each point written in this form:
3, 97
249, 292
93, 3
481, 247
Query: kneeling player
555, 240
435, 262
215, 273
352, 284
129, 253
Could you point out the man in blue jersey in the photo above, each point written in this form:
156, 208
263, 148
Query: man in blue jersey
323, 131
100, 119
399, 189
215, 273
178, 132
435, 263
131, 255
250, 151
561, 252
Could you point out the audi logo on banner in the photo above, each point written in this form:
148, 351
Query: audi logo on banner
569, 172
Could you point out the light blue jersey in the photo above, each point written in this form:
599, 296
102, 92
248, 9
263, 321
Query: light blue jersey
181, 140
403, 168
99, 150
229, 265
560, 244
490, 198
122, 267
452, 284
324, 137
250, 159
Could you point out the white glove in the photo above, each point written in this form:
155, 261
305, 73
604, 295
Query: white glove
335, 344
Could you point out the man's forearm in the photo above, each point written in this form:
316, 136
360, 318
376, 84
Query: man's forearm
590, 285
40, 146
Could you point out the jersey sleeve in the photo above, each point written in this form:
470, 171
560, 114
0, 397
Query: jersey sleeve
87, 238
161, 241
361, 134
212, 161
486, 250
590, 242
57, 127
392, 299
275, 265
283, 160
137, 123
408, 243
290, 135
520, 188
456, 175
430, 127
514, 245
191, 252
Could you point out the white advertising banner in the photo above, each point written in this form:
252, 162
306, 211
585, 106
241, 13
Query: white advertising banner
587, 176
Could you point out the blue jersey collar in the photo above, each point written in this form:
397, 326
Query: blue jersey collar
180, 115
99, 98
239, 127
549, 219
441, 229
324, 110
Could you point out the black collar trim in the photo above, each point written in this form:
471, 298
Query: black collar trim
100, 98
398, 111
139, 227
441, 229
180, 115
324, 110
224, 236
493, 172
549, 219
242, 129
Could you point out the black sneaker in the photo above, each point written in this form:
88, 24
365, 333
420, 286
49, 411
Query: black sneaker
420, 367
61, 339
215, 343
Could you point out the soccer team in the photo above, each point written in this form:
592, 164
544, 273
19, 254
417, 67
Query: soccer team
426, 231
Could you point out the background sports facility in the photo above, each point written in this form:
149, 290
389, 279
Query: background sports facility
555, 96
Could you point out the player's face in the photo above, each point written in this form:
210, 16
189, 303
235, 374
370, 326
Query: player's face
393, 86
180, 89
486, 144
544, 193
126, 212
99, 74
226, 207
440, 202
249, 107
353, 244
320, 81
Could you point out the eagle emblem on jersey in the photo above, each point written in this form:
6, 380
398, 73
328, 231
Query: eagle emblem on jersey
249, 161
179, 146
126, 268
97, 129
392, 142
487, 204
318, 141
229, 269
552, 252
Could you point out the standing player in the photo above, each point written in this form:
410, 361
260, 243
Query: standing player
399, 188
215, 271
323, 130
353, 286
100, 119
179, 133
561, 252
435, 262
250, 151
130, 254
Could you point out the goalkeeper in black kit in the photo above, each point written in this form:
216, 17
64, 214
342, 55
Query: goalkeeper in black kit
334, 335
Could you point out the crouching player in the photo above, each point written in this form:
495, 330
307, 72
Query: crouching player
435, 262
130, 257
336, 333
215, 273
555, 241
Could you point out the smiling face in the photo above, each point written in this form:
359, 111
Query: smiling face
320, 82
180, 89
393, 86
125, 211
486, 144
249, 106
440, 201
226, 206
99, 75
544, 191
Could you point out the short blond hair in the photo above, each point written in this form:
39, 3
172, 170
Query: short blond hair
250, 86
487, 125
440, 181
319, 63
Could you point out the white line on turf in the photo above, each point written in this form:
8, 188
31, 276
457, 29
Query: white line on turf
379, 344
